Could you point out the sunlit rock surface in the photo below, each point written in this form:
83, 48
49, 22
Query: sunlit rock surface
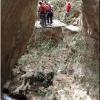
56, 23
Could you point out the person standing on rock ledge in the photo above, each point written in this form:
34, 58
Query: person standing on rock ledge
67, 8
42, 13
49, 9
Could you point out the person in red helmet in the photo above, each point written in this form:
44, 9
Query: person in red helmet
42, 13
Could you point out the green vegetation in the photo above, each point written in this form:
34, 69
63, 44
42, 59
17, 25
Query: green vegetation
45, 46
59, 9
90, 64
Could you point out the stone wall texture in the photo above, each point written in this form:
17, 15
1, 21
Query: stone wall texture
90, 19
17, 23
90, 12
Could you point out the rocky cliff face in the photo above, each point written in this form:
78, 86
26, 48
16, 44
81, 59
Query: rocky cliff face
90, 10
17, 21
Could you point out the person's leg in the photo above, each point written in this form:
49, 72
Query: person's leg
65, 14
40, 16
48, 18
51, 15
45, 19
42, 19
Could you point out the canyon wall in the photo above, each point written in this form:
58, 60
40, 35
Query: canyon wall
90, 11
18, 19
90, 19
17, 24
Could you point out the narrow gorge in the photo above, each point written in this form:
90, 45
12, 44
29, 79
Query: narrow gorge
60, 62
